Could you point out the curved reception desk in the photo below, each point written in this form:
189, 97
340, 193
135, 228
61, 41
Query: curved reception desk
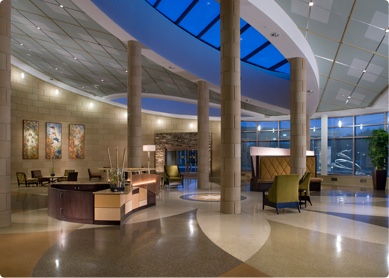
95, 203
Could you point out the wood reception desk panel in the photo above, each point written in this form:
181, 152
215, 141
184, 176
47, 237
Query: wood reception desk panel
95, 203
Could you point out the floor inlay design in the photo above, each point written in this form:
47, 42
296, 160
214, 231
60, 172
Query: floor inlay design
205, 197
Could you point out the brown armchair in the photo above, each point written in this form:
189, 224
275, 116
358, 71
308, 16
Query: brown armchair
22, 179
94, 175
38, 175
65, 175
283, 193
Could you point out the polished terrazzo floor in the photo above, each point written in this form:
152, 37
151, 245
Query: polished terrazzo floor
344, 234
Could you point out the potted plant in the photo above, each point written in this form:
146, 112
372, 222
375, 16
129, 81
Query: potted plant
378, 153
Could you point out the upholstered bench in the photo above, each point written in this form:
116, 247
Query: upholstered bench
270, 166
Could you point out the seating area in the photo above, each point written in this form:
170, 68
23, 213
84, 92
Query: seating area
265, 168
304, 189
172, 176
283, 193
37, 174
24, 180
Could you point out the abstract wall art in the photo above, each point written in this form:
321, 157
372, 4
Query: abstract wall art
30, 139
76, 141
53, 147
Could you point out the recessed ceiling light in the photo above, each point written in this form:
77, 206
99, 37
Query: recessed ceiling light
310, 4
61, 6
75, 58
364, 70
38, 27
21, 44
387, 30
102, 80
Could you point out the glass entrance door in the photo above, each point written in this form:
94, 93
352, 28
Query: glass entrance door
187, 161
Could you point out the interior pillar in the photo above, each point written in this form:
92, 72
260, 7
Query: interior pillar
298, 111
324, 145
134, 104
230, 106
203, 134
5, 113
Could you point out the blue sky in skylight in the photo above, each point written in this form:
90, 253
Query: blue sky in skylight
267, 57
203, 13
200, 16
173, 12
250, 40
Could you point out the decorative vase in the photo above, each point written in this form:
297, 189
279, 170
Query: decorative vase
116, 179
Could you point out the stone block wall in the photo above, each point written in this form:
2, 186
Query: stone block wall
105, 126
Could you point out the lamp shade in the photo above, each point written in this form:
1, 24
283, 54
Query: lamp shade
149, 148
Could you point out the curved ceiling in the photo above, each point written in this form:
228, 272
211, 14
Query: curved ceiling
347, 38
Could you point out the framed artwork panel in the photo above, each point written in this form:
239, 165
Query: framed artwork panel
30, 139
76, 141
53, 145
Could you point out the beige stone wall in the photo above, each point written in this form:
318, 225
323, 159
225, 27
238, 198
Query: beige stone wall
105, 126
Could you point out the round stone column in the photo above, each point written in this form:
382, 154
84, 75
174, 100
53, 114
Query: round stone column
5, 113
230, 106
134, 104
298, 111
203, 134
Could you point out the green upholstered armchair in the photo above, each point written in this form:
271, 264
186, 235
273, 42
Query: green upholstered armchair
304, 184
172, 175
22, 179
283, 193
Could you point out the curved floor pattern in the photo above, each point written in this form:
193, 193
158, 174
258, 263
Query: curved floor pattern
165, 247
344, 234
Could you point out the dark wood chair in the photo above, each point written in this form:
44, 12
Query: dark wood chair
72, 176
94, 175
22, 179
37, 174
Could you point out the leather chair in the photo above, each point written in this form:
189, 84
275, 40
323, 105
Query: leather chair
172, 175
72, 176
94, 175
22, 179
65, 175
283, 193
304, 188
38, 175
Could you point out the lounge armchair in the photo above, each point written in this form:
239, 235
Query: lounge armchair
65, 175
38, 175
22, 179
94, 175
304, 188
172, 175
72, 176
283, 193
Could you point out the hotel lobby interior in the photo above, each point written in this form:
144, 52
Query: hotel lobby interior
69, 66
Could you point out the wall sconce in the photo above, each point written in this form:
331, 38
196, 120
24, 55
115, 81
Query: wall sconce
148, 149
22, 75
56, 92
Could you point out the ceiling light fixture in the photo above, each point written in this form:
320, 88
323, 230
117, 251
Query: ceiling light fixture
274, 34
310, 91
61, 6
387, 30
38, 27
364, 70
310, 4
